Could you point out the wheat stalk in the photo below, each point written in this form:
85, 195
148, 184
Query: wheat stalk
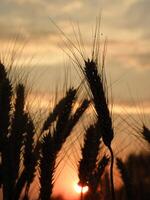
94, 80
5, 110
28, 156
125, 177
47, 167
89, 153
18, 128
59, 134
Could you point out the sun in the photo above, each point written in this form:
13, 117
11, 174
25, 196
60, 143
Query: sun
80, 189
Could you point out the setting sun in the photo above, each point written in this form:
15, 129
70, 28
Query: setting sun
80, 189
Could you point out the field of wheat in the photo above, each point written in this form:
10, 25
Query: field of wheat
32, 144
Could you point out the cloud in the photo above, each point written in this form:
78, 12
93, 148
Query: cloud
141, 60
131, 109
137, 18
139, 14
33, 15
137, 60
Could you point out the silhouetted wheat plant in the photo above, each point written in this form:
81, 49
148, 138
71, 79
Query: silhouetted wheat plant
15, 133
89, 152
28, 154
135, 177
20, 153
90, 167
96, 87
5, 110
95, 83
64, 121
126, 178
103, 162
47, 167
18, 130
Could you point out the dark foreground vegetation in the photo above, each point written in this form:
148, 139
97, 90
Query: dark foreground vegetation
28, 152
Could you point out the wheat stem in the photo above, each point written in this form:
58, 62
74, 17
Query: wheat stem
111, 173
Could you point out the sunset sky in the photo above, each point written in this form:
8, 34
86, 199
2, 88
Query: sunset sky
125, 23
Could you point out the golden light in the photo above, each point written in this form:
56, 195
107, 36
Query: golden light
80, 189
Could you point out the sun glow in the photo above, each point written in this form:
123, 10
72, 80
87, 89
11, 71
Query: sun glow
80, 189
